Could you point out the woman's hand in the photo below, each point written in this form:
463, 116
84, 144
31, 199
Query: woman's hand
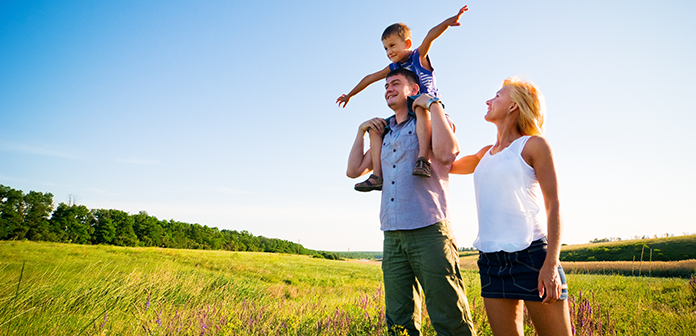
550, 283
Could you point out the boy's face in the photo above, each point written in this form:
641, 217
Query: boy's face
397, 48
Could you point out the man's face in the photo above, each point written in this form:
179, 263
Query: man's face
397, 90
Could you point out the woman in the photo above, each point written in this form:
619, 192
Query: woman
518, 258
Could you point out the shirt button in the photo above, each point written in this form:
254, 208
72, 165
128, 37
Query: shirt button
392, 200
395, 151
394, 166
393, 182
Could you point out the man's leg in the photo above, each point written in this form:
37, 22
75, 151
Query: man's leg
435, 261
401, 289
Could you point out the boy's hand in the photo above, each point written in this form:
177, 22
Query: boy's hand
342, 99
422, 101
454, 21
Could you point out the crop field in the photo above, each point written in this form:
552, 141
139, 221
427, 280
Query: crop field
61, 289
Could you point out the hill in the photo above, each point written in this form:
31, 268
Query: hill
662, 249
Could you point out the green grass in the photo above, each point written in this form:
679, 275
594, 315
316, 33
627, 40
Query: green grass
663, 249
106, 290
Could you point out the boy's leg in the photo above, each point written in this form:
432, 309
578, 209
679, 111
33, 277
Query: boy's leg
376, 152
424, 133
374, 182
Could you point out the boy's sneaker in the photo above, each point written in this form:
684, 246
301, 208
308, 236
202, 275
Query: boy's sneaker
422, 167
373, 182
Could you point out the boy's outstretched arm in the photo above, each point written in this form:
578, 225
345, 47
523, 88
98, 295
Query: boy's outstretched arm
365, 82
435, 33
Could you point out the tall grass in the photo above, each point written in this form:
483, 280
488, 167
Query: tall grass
106, 290
681, 269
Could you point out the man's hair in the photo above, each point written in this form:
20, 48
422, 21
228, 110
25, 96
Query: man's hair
531, 104
411, 77
398, 29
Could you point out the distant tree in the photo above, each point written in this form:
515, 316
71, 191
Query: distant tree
125, 235
72, 224
104, 227
11, 214
148, 229
32, 216
37, 210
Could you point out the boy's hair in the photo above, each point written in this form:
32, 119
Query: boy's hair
411, 76
531, 104
398, 29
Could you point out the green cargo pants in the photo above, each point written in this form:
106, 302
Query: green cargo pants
425, 258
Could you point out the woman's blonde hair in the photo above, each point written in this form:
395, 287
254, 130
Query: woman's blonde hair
530, 103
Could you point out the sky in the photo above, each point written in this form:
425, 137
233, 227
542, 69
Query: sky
223, 113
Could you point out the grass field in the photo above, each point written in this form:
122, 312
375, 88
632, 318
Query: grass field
105, 290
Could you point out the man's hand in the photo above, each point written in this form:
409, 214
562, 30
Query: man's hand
454, 21
376, 124
343, 99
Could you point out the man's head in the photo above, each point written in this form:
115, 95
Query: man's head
397, 42
401, 83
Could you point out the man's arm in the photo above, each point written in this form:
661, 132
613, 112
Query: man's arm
444, 142
360, 163
365, 82
434, 33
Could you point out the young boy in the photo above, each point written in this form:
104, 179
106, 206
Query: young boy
397, 43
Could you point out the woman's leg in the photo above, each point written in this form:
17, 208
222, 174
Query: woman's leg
505, 316
550, 319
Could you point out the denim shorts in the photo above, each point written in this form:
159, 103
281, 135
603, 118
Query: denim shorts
515, 275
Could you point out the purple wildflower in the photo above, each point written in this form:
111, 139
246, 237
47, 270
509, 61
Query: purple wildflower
106, 316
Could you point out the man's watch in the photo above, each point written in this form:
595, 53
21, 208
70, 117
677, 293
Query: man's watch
431, 101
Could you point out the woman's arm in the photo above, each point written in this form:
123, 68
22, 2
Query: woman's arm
538, 154
467, 164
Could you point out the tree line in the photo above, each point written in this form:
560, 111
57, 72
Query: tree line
32, 216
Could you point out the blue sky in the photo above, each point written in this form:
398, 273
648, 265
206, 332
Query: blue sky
222, 112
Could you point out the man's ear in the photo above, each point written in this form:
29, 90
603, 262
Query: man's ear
408, 43
415, 88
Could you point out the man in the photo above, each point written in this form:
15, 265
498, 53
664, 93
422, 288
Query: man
419, 245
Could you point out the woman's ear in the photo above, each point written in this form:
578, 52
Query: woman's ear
513, 107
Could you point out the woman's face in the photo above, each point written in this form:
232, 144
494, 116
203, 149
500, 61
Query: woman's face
499, 106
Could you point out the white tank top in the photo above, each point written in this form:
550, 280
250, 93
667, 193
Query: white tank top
509, 201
